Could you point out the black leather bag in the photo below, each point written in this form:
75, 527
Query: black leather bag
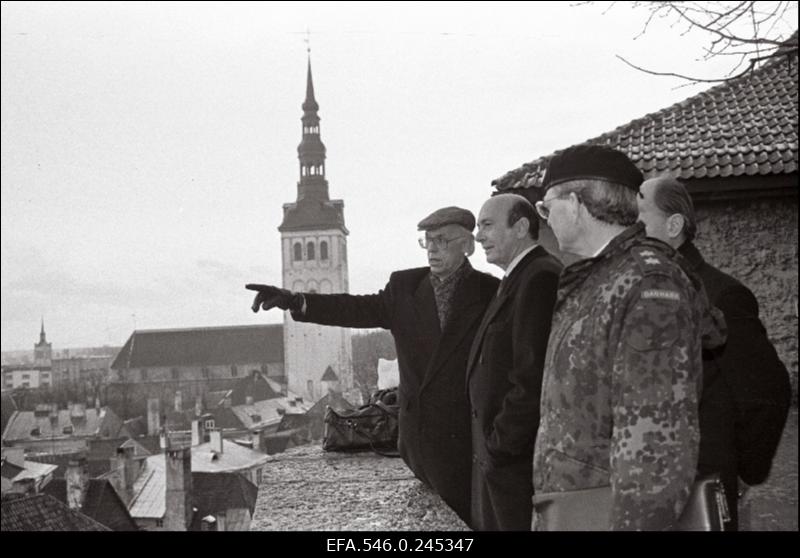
590, 509
370, 427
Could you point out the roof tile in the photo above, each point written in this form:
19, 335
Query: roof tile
740, 122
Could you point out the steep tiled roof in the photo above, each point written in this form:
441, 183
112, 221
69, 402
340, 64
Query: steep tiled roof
216, 492
25, 425
744, 127
44, 513
101, 503
202, 346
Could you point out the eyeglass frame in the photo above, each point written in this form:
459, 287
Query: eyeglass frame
440, 242
544, 211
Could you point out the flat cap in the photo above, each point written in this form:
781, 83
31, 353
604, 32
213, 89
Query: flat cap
448, 216
592, 162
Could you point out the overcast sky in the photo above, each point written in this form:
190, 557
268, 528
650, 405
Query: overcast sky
147, 148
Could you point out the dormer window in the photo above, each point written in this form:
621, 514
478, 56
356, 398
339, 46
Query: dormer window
36, 432
209, 423
68, 429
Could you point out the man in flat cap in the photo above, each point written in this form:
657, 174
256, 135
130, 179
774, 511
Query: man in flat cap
619, 405
504, 372
433, 313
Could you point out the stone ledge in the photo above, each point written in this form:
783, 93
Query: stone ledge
307, 489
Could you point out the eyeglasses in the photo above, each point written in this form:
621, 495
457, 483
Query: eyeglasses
438, 242
544, 211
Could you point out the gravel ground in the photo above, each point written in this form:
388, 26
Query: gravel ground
307, 489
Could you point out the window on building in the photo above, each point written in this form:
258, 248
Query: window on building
176, 373
323, 250
298, 252
159, 522
259, 474
209, 423
205, 371
67, 429
26, 376
234, 370
35, 432
143, 374
310, 250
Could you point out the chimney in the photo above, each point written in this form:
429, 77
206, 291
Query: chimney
248, 400
127, 470
54, 415
178, 516
198, 405
178, 401
153, 417
163, 439
216, 439
97, 404
77, 477
198, 432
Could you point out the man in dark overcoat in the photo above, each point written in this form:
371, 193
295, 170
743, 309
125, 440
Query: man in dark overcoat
504, 373
433, 313
746, 388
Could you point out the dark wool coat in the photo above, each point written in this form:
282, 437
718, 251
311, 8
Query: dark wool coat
504, 384
434, 438
746, 388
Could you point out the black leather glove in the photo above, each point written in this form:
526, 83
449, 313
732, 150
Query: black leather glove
270, 297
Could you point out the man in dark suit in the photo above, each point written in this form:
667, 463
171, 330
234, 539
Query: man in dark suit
504, 371
746, 389
433, 313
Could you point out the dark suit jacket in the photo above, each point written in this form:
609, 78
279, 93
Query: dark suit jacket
746, 389
434, 435
504, 385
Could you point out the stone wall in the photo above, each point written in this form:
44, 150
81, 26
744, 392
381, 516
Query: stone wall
756, 242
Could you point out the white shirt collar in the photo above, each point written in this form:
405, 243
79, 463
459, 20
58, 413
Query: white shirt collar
516, 260
603, 247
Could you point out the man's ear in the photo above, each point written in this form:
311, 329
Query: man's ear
469, 246
522, 226
675, 224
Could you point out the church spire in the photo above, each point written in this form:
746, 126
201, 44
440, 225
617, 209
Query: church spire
42, 337
311, 150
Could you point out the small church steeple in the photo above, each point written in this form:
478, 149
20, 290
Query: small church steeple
42, 351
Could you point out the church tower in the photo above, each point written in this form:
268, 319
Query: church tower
42, 351
314, 248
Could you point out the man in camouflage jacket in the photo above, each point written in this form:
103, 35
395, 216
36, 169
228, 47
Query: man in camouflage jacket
623, 367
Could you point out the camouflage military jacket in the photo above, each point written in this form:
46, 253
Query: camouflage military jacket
621, 382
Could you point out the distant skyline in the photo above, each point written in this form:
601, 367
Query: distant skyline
148, 148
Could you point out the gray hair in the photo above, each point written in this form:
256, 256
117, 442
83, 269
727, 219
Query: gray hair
605, 201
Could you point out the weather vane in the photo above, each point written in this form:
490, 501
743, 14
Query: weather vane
307, 40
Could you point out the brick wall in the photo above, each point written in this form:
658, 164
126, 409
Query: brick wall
756, 242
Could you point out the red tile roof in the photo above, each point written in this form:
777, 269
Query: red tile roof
744, 127
202, 346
